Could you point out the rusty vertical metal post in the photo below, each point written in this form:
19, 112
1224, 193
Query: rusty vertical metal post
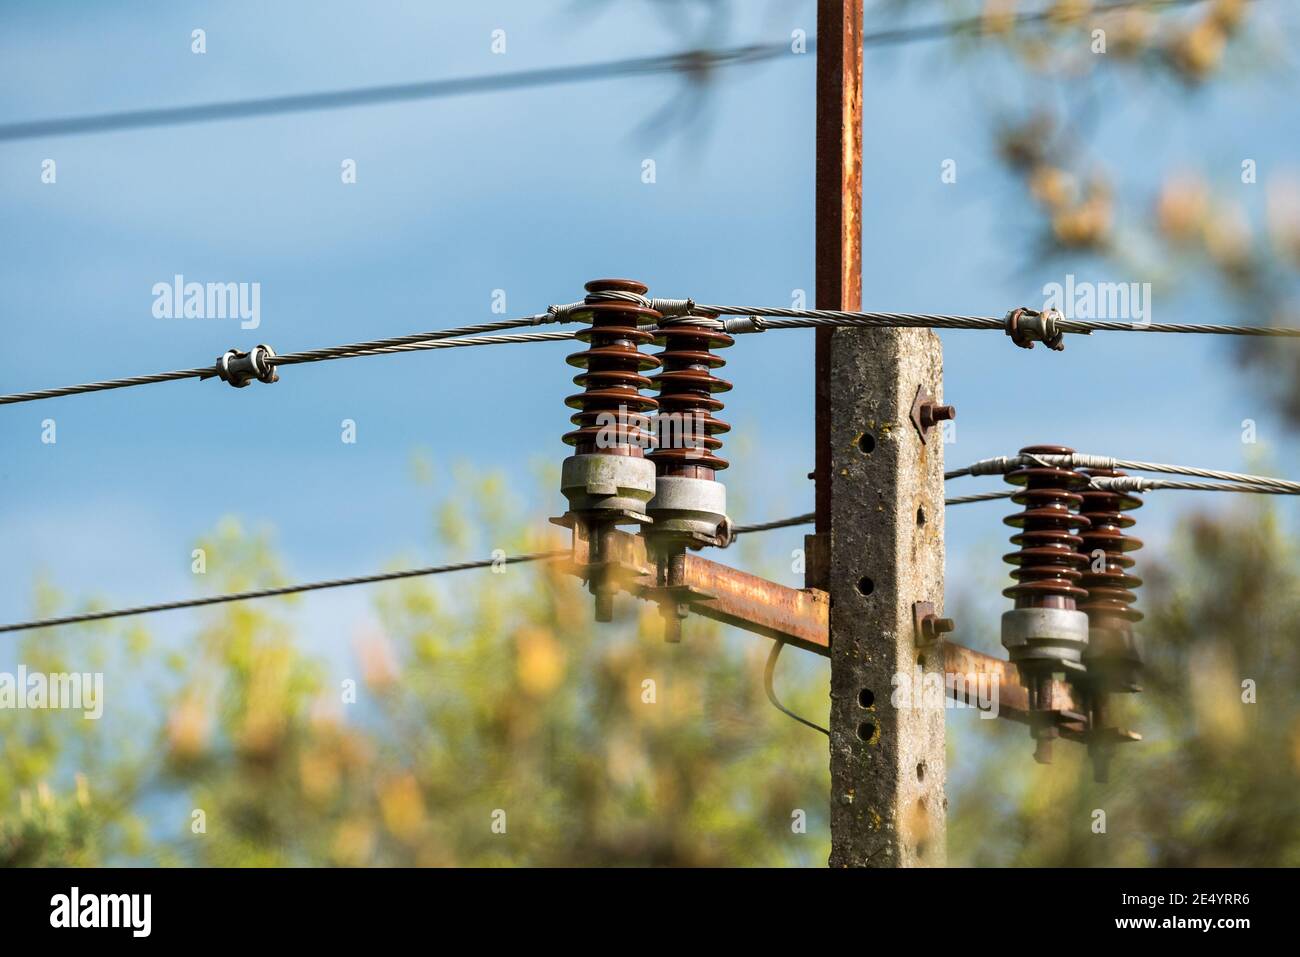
838, 264
878, 546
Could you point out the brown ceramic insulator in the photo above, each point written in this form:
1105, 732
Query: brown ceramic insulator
1110, 590
687, 428
612, 413
1049, 561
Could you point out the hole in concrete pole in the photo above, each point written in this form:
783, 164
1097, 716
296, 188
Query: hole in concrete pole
920, 771
867, 443
866, 698
865, 585
920, 516
866, 730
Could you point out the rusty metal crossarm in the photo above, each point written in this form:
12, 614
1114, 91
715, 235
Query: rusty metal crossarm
1069, 714
623, 550
801, 617
797, 616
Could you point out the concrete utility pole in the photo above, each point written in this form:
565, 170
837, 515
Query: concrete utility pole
878, 547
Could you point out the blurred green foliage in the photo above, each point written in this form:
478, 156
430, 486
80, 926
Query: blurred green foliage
489, 692
1214, 781
480, 693
494, 692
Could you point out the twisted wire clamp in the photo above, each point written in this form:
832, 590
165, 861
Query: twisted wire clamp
240, 368
1026, 326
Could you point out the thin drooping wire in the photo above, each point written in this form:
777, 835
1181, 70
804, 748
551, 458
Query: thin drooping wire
781, 318
769, 672
273, 592
809, 517
780, 523
332, 583
1006, 463
689, 63
1129, 482
439, 339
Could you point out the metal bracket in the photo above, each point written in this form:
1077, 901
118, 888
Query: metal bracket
817, 560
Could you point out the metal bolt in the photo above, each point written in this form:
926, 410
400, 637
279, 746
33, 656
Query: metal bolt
932, 414
927, 412
932, 627
673, 614
926, 623
604, 605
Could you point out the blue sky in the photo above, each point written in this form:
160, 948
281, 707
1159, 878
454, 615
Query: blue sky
533, 192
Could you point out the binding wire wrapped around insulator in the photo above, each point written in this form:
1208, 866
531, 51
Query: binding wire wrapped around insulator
1045, 634
1112, 659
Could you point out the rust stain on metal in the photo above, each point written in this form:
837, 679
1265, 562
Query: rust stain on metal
838, 262
1013, 699
927, 413
799, 616
624, 558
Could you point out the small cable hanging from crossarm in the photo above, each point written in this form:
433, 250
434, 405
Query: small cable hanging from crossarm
681, 62
769, 673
